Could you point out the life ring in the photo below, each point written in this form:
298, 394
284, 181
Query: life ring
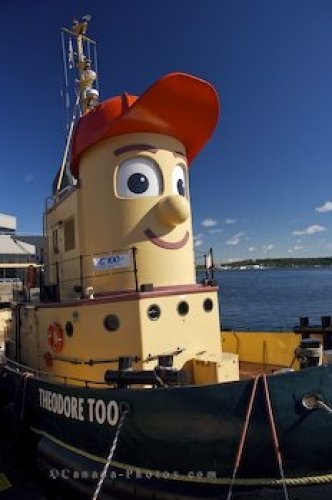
55, 337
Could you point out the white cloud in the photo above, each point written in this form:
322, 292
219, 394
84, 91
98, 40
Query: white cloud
28, 178
252, 249
235, 240
209, 222
228, 220
198, 240
198, 236
327, 207
309, 230
295, 248
216, 230
268, 248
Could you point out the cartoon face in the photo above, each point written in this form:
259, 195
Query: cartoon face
138, 185
142, 176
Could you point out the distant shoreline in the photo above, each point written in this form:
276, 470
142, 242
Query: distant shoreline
273, 263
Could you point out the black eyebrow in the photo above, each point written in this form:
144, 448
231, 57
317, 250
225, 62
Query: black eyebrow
178, 153
134, 147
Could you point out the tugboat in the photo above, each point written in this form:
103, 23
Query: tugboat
117, 372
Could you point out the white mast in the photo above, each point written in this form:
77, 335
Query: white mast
87, 96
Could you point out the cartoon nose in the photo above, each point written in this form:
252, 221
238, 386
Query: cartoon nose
172, 210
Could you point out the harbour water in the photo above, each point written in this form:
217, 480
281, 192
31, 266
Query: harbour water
273, 299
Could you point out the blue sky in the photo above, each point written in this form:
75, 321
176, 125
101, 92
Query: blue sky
262, 187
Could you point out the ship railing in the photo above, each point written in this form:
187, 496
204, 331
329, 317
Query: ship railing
124, 365
127, 361
20, 369
86, 274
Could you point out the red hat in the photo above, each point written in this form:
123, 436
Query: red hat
178, 105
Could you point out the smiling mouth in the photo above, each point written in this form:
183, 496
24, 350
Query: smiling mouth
166, 244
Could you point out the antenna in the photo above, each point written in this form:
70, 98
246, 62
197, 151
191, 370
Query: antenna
79, 56
83, 84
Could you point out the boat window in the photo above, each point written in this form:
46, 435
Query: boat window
138, 177
111, 322
183, 308
208, 305
69, 234
154, 312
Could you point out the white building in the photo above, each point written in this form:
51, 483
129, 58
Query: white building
15, 252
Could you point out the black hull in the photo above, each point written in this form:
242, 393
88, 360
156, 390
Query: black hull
180, 442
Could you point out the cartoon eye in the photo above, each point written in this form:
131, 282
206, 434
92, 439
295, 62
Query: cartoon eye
179, 180
138, 177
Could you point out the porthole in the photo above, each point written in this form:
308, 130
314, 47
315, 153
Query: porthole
154, 312
69, 329
111, 322
183, 308
208, 305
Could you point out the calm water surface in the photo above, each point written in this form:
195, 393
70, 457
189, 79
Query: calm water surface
273, 299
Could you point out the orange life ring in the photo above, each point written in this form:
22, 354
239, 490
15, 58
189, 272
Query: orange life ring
55, 337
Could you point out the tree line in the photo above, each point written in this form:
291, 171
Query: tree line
283, 262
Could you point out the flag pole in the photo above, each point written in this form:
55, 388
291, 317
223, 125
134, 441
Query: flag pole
206, 267
212, 264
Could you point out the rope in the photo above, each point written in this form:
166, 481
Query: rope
324, 406
96, 65
25, 376
221, 481
65, 71
275, 436
159, 379
110, 455
88, 45
243, 437
64, 59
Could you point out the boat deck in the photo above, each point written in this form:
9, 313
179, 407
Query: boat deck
250, 370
